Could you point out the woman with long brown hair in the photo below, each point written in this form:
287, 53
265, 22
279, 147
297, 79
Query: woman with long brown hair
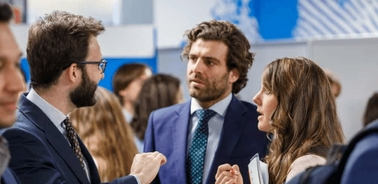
158, 91
297, 108
106, 134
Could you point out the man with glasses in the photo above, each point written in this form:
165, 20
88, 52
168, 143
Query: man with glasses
66, 65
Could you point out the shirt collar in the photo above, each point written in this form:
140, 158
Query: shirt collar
219, 107
51, 112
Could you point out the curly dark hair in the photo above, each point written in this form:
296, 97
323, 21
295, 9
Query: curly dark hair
55, 42
238, 57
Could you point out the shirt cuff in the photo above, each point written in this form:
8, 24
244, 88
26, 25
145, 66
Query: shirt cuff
136, 178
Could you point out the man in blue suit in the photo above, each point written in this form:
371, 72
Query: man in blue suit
218, 59
66, 65
11, 85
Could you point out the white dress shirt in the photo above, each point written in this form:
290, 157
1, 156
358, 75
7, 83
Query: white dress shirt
215, 130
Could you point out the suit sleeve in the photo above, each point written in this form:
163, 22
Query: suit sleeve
30, 160
362, 166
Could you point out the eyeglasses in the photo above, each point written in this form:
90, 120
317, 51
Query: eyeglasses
101, 64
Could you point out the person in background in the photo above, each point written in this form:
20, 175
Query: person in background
127, 82
297, 106
334, 82
371, 110
213, 127
106, 134
11, 86
66, 65
158, 91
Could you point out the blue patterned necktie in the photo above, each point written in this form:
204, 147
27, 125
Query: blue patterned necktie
197, 150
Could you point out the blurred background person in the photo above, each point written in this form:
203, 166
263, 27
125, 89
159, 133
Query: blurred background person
106, 134
127, 82
158, 91
371, 110
334, 82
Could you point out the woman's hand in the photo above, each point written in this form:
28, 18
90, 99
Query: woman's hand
228, 174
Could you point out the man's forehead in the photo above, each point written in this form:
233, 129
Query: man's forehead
9, 49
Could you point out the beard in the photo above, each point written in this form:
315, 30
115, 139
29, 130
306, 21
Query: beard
212, 91
84, 94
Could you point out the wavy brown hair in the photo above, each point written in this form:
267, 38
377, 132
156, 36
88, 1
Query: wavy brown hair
238, 57
305, 120
107, 135
157, 92
56, 41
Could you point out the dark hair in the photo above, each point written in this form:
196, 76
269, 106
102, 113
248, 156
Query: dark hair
6, 12
305, 120
238, 57
157, 92
371, 110
55, 42
125, 75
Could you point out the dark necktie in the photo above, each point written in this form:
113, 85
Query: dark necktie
197, 150
72, 137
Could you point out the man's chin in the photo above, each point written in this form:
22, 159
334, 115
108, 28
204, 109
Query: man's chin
7, 121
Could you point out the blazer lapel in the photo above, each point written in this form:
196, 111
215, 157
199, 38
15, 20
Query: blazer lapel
93, 172
180, 132
231, 131
54, 137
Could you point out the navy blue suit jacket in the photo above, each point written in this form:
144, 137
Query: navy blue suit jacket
9, 177
362, 164
41, 154
167, 132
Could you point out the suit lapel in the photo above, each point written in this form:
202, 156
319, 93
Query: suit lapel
180, 131
93, 172
53, 136
232, 128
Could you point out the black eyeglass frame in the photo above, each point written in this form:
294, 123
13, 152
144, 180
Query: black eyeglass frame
102, 61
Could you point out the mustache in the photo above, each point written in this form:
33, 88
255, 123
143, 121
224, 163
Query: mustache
196, 78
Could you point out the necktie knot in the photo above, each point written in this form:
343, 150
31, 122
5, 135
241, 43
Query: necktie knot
204, 115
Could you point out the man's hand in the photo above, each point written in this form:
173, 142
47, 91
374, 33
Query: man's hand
146, 166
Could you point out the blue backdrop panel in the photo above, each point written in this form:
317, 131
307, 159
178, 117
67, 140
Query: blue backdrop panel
111, 68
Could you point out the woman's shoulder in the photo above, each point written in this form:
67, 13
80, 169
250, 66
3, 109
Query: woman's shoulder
310, 159
302, 163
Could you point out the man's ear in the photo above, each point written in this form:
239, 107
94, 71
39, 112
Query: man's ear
72, 72
233, 76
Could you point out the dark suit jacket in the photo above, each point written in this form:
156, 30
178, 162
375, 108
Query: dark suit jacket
41, 154
362, 164
240, 139
9, 177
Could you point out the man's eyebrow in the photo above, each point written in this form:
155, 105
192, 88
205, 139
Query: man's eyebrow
211, 58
